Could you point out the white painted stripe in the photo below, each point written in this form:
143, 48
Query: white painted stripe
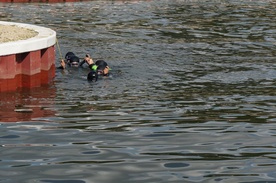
46, 38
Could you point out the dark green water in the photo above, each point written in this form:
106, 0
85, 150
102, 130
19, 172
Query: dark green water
191, 97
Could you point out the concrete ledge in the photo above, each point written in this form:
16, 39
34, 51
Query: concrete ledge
45, 38
27, 63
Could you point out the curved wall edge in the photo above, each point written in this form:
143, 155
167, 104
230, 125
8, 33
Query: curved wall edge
27, 63
46, 37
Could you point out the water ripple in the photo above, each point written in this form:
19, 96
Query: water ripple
191, 97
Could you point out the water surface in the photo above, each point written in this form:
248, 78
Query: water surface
191, 97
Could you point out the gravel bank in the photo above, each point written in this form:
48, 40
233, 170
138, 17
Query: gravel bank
10, 33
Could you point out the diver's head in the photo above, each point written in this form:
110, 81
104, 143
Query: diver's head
92, 76
103, 70
73, 61
69, 55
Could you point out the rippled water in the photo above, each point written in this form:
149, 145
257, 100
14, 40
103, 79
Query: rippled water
191, 97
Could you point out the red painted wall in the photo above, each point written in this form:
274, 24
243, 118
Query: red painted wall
27, 70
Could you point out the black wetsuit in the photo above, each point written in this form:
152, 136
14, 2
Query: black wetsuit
71, 60
101, 65
92, 76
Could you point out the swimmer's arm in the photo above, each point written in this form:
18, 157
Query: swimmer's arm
62, 65
88, 59
81, 63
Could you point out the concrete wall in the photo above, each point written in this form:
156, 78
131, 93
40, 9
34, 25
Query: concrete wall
27, 63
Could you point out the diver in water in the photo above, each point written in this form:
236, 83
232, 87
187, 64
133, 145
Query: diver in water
100, 66
70, 59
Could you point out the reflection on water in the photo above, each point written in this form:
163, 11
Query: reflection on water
26, 104
191, 97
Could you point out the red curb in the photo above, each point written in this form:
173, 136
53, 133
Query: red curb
28, 63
